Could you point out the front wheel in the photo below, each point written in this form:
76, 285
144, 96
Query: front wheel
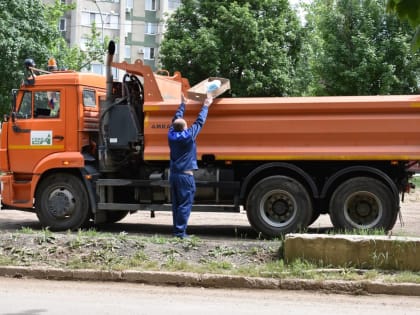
278, 205
363, 203
61, 202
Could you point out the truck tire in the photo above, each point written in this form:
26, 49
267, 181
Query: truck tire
363, 203
278, 205
61, 202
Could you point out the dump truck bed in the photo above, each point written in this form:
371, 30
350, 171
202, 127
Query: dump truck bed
296, 128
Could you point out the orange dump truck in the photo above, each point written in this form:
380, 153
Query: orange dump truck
78, 147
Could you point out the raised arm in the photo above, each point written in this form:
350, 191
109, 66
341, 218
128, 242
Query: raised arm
180, 112
202, 116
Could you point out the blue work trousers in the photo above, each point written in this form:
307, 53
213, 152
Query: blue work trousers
182, 195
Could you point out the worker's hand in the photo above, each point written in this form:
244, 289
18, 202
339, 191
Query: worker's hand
208, 101
183, 100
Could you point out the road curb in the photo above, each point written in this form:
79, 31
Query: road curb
358, 251
213, 280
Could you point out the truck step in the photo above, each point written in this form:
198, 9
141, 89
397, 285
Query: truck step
21, 182
20, 201
165, 207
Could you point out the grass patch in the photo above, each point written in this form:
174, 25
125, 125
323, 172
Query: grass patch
415, 180
366, 232
105, 251
402, 277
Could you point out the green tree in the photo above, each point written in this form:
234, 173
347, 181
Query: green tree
256, 44
24, 33
358, 49
29, 29
409, 10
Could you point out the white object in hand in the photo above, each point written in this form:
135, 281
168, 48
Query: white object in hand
213, 85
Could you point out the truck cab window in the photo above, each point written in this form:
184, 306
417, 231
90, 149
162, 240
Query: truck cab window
25, 108
89, 98
47, 104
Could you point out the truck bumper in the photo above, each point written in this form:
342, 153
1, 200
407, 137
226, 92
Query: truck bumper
15, 196
6, 197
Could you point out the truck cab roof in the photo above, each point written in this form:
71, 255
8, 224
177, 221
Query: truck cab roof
71, 78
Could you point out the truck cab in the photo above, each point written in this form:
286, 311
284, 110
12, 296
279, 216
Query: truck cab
53, 121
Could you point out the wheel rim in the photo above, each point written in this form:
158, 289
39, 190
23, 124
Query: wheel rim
363, 209
278, 208
61, 203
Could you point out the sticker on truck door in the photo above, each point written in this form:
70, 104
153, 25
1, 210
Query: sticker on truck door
41, 137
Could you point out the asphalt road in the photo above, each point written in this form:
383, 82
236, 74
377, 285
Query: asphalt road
40, 297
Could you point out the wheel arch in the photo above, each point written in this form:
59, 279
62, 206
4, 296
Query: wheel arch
82, 173
278, 168
356, 171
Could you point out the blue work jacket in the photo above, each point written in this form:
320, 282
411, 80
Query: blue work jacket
183, 149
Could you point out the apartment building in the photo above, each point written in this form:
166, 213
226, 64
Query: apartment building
137, 26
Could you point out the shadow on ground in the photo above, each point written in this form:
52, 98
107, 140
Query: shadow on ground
205, 231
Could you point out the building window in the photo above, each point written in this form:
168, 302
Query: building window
97, 68
149, 53
173, 4
112, 21
129, 5
88, 18
151, 28
62, 25
151, 5
92, 18
128, 27
82, 44
127, 51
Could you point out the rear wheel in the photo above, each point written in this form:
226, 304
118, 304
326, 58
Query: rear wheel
363, 203
61, 202
278, 205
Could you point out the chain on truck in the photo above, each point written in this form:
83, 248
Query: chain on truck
80, 147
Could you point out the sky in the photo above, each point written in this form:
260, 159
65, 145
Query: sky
294, 3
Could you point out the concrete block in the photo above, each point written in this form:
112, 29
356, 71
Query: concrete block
358, 251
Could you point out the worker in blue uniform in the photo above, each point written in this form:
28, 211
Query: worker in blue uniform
183, 161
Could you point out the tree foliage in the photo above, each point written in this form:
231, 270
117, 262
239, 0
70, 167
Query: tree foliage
24, 33
358, 49
256, 44
409, 10
29, 29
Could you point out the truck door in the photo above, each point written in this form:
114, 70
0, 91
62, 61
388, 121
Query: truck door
38, 129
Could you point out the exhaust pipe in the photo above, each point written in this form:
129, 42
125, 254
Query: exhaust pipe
105, 162
109, 78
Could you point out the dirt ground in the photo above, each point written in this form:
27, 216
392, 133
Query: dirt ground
224, 238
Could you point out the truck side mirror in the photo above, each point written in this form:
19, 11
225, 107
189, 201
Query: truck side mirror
14, 93
13, 115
